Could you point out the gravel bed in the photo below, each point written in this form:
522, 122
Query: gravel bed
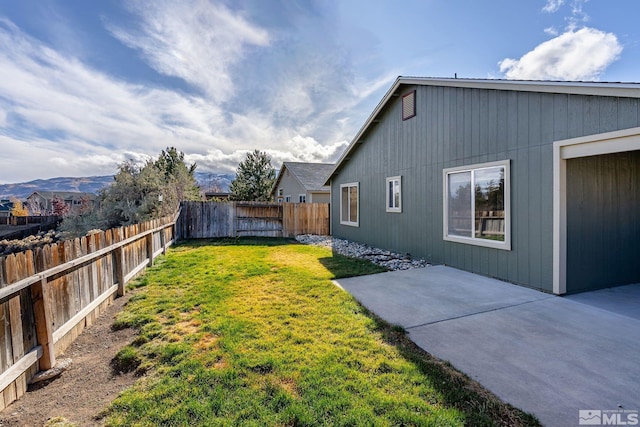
390, 260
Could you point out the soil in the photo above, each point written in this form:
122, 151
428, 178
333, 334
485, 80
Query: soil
87, 387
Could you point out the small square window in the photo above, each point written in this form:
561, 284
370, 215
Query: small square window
394, 194
409, 105
302, 198
280, 192
287, 199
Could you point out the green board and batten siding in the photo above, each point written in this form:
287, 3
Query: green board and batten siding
457, 126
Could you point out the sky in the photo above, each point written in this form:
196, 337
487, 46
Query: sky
87, 85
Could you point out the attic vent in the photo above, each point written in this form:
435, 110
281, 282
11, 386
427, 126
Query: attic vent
409, 105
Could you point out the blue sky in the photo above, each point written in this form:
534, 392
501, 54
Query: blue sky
85, 85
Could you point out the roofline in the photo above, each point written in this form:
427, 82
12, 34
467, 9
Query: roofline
628, 90
275, 184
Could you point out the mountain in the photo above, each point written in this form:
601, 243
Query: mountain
210, 181
93, 184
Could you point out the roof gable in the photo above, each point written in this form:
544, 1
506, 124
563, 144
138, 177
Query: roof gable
629, 90
311, 176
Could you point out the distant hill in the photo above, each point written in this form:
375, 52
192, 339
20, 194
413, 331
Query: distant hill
209, 181
93, 184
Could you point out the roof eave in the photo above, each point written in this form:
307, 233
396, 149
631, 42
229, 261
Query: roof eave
574, 88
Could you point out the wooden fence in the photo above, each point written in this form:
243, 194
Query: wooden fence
48, 296
232, 219
26, 220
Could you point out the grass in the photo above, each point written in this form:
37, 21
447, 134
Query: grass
253, 332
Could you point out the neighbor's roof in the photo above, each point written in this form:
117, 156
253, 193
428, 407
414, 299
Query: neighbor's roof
312, 176
628, 90
6, 205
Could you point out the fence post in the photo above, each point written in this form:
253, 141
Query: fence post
150, 248
119, 258
44, 334
162, 241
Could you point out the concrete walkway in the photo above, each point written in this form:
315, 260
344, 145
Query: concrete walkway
548, 355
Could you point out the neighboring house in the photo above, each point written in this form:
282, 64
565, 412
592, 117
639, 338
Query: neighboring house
535, 183
299, 182
40, 202
5, 208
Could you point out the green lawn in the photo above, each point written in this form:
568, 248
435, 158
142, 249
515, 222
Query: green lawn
253, 332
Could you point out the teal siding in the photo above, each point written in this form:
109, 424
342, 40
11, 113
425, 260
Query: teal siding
461, 126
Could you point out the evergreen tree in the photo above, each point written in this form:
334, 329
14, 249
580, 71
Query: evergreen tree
254, 178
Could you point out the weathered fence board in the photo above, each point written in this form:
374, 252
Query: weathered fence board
305, 218
47, 297
200, 220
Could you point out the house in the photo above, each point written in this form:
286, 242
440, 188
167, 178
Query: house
5, 208
299, 182
532, 182
41, 202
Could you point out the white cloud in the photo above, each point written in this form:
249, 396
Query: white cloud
297, 149
194, 40
553, 6
63, 117
575, 55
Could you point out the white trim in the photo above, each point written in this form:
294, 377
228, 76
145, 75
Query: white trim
301, 197
504, 245
287, 198
592, 145
395, 209
347, 222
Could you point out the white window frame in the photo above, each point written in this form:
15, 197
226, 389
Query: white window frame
504, 245
389, 180
357, 221
302, 198
287, 198
280, 192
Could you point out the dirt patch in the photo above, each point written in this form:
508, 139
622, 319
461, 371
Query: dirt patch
87, 387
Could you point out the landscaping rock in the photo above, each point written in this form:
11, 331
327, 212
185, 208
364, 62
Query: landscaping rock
60, 367
387, 259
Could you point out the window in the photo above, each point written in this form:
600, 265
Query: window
302, 198
409, 105
349, 214
280, 192
394, 194
280, 199
287, 199
477, 205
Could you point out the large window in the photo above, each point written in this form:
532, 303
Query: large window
476, 205
349, 204
394, 194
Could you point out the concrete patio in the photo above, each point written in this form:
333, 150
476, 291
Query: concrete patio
548, 355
